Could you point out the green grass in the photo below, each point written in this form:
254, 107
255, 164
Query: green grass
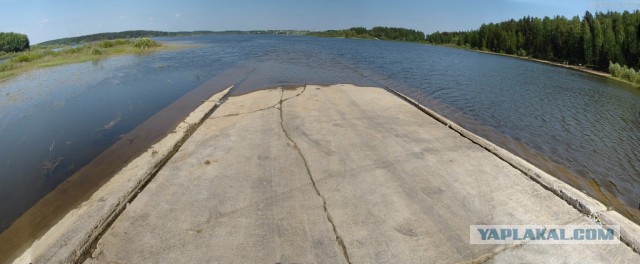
27, 57
44, 56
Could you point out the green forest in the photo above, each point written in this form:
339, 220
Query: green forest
13, 42
383, 33
593, 40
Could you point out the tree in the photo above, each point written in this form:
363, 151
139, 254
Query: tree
386, 33
609, 46
631, 38
576, 45
359, 30
597, 42
587, 42
593, 40
13, 42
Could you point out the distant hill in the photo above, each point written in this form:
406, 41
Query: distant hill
149, 33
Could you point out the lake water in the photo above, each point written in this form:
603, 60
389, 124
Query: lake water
583, 129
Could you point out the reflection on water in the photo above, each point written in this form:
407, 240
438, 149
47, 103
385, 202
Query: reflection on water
54, 121
581, 128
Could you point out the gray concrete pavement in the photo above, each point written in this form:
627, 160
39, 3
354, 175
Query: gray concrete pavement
334, 175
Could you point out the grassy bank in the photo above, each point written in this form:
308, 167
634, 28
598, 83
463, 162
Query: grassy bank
48, 56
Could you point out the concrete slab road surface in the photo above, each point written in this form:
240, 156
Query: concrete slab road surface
337, 174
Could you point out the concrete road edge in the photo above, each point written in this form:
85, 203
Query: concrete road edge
72, 237
629, 231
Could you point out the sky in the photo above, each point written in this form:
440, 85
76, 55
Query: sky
46, 20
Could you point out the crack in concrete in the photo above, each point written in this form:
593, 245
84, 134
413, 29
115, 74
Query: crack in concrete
262, 109
245, 113
489, 256
304, 88
313, 182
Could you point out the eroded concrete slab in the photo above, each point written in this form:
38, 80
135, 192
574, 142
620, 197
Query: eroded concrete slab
332, 175
236, 192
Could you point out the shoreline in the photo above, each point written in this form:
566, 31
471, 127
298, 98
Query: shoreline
46, 61
557, 64
551, 63
391, 40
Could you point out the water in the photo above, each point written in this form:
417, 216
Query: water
67, 47
581, 128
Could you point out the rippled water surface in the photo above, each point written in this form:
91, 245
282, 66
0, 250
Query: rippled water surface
581, 128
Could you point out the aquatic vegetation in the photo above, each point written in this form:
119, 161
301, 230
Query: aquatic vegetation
51, 164
47, 56
26, 57
5, 67
73, 50
96, 51
106, 44
145, 43
119, 42
113, 123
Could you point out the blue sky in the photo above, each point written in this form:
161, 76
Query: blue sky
46, 20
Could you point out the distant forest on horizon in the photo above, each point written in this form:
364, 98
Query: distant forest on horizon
151, 33
593, 40
382, 33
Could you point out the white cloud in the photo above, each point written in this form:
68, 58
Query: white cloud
178, 14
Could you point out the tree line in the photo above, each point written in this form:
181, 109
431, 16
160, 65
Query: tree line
13, 42
384, 33
132, 34
593, 41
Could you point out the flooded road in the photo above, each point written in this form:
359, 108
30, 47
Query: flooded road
583, 129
